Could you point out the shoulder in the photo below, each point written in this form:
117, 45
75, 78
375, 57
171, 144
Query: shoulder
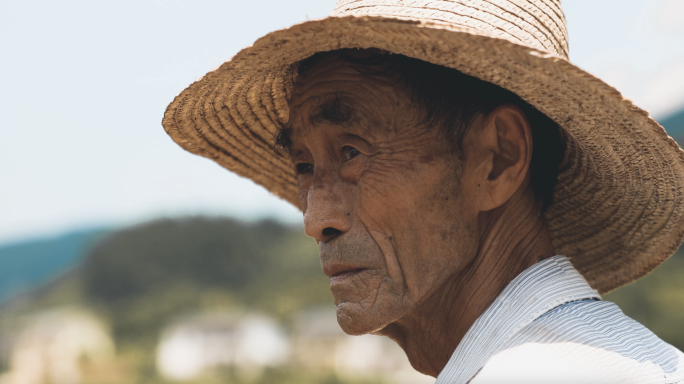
584, 342
570, 362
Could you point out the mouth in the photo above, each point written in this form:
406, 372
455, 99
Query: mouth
341, 272
342, 276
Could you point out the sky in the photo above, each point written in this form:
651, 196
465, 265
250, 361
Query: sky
84, 85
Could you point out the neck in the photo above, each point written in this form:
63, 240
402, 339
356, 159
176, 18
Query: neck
512, 238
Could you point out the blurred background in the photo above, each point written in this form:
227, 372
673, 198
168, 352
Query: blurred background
124, 259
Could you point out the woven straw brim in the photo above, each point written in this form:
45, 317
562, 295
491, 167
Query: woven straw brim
617, 209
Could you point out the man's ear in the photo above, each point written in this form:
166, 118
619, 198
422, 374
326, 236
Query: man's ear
498, 154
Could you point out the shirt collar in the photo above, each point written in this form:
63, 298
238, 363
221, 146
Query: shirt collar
540, 288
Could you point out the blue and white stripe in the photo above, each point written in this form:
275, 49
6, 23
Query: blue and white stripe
549, 326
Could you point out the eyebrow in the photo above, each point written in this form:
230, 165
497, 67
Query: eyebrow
282, 142
332, 110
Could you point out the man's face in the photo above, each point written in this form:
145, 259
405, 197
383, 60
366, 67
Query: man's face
380, 194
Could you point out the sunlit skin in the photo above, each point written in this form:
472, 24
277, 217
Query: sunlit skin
416, 240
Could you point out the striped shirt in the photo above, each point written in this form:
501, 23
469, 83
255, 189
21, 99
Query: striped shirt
549, 326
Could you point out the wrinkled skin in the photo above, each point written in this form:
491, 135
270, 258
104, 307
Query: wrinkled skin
417, 241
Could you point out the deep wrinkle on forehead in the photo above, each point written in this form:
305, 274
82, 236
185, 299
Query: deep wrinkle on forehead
334, 110
335, 95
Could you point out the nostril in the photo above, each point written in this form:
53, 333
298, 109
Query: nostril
330, 231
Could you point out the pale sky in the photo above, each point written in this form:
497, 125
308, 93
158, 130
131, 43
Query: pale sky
84, 85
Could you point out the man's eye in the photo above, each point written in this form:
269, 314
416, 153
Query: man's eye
350, 152
304, 168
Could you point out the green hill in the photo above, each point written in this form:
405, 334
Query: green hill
141, 279
145, 276
28, 264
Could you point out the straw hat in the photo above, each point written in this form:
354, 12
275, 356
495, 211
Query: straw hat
617, 209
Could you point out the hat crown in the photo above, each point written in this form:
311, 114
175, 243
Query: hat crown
538, 24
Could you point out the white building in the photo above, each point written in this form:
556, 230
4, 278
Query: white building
319, 343
53, 345
196, 345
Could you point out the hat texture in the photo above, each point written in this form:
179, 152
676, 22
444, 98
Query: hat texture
618, 209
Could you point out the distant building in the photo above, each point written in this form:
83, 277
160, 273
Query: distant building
202, 344
54, 346
319, 344
199, 344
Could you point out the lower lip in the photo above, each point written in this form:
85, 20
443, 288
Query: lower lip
345, 276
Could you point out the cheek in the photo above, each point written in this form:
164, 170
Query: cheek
386, 192
404, 195
439, 241
434, 235
375, 297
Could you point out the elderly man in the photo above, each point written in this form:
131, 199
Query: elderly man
470, 190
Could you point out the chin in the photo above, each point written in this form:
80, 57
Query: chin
356, 319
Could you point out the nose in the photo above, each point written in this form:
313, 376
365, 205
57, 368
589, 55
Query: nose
325, 213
